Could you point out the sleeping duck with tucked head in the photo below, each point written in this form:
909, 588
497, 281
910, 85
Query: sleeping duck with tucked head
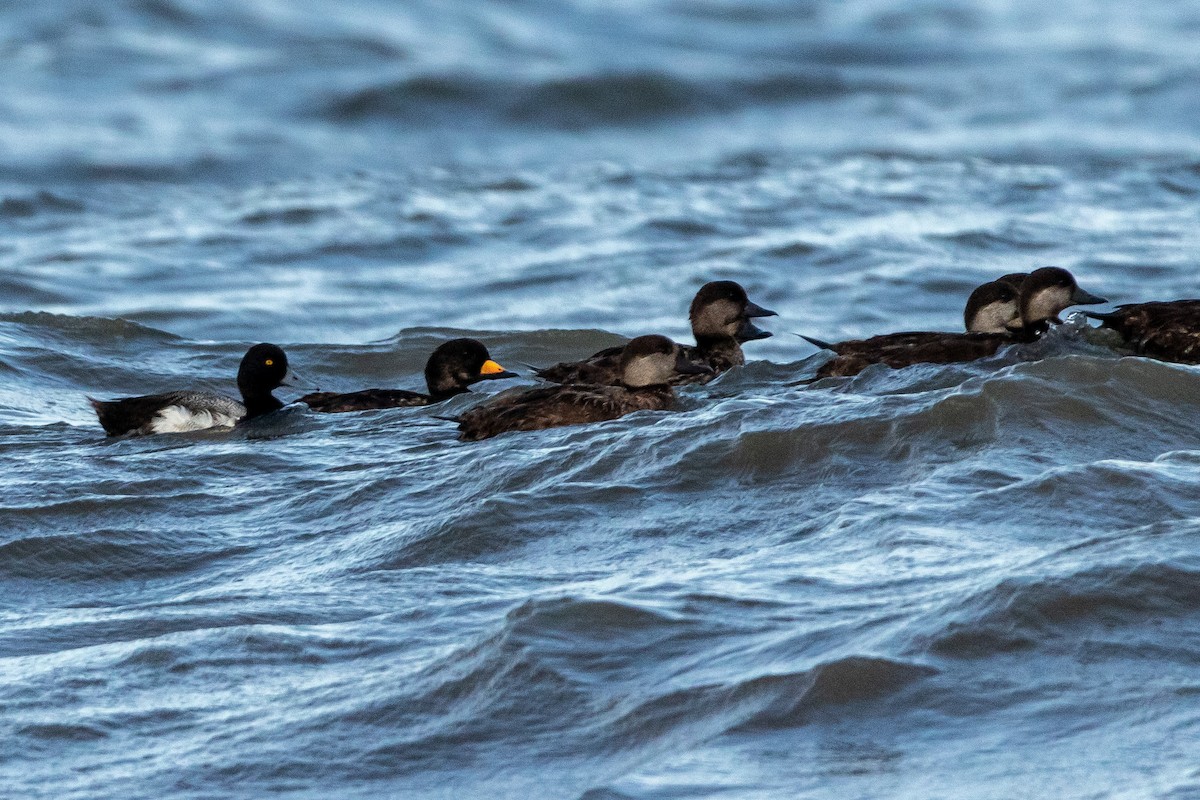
648, 365
450, 371
720, 316
996, 315
264, 368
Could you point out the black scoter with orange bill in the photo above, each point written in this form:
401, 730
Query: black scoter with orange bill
1167, 330
648, 365
1044, 294
263, 369
720, 315
450, 370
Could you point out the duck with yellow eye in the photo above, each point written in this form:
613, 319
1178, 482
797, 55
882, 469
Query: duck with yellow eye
450, 370
264, 368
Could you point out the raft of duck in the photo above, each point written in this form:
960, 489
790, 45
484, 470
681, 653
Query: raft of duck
1014, 309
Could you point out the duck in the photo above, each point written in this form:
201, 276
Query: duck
720, 316
264, 368
451, 369
989, 318
648, 364
1166, 330
993, 307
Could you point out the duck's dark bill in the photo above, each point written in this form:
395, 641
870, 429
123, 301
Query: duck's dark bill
755, 310
748, 332
1084, 298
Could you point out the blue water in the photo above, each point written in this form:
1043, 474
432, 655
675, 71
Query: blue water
951, 581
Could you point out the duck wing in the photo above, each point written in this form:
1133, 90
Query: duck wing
600, 368
904, 350
556, 406
365, 400
890, 340
170, 412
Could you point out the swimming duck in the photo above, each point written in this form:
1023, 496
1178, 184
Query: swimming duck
648, 364
1165, 330
451, 368
1044, 294
264, 368
993, 307
720, 314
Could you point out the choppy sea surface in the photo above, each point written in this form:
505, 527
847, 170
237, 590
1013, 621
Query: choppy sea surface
963, 581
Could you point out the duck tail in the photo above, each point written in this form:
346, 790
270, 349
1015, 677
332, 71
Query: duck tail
536, 370
106, 415
455, 420
1110, 318
821, 345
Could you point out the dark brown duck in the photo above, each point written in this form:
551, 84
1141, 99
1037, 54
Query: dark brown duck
1165, 330
993, 308
990, 319
647, 363
450, 370
720, 315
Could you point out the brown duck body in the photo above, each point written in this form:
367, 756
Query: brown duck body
991, 309
647, 365
997, 314
556, 406
599, 368
720, 316
605, 367
906, 349
1168, 331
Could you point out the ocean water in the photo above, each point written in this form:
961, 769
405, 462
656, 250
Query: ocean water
960, 581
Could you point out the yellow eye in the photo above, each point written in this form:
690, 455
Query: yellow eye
270, 362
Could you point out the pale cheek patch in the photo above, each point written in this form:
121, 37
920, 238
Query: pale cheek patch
994, 318
1049, 303
178, 419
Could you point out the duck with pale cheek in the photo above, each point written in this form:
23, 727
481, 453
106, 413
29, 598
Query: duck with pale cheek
1045, 294
994, 316
450, 371
992, 308
720, 315
648, 366
264, 368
